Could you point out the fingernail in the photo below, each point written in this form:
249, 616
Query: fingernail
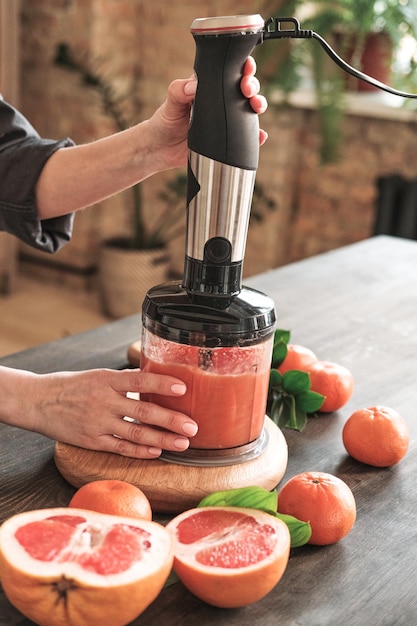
189, 429
179, 389
190, 87
155, 451
181, 443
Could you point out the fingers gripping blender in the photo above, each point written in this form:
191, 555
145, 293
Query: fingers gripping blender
209, 330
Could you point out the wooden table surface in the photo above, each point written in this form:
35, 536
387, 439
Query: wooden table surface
356, 306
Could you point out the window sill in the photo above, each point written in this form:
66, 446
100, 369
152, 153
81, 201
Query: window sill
377, 105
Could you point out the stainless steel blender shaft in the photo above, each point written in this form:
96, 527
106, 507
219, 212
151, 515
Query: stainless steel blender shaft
221, 208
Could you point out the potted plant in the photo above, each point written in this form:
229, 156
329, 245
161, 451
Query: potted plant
360, 31
129, 265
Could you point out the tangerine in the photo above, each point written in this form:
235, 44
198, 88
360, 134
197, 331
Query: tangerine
113, 497
322, 499
298, 358
229, 556
377, 435
333, 381
72, 567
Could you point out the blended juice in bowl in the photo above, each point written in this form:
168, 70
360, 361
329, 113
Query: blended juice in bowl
227, 388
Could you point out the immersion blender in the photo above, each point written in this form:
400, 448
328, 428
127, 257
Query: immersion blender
207, 329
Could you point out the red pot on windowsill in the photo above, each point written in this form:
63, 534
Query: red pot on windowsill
374, 60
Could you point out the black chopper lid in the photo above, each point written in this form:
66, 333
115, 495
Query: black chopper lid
169, 312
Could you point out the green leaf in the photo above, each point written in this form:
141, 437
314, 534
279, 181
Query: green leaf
310, 401
275, 378
300, 532
300, 418
246, 497
295, 381
279, 351
290, 397
286, 412
282, 336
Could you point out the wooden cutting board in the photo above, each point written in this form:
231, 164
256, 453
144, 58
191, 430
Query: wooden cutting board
172, 488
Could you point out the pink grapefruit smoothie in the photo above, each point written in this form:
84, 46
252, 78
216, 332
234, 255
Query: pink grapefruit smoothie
229, 408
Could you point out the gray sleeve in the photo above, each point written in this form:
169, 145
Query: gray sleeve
23, 154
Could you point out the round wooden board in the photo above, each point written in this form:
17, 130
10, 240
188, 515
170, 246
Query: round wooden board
170, 487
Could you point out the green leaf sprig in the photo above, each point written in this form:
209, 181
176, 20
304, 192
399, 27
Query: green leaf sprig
290, 398
263, 500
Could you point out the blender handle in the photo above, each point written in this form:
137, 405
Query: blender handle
223, 125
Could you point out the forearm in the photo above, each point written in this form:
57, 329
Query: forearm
76, 177
16, 392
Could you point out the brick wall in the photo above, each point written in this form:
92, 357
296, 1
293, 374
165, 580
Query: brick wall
142, 46
335, 204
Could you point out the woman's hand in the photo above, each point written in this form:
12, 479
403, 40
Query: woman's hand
87, 408
79, 176
169, 124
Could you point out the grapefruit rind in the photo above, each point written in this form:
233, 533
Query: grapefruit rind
66, 594
227, 586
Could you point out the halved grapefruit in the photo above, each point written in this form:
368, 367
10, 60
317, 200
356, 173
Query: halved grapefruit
229, 556
72, 567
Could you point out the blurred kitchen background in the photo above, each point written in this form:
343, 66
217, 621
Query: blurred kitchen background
340, 164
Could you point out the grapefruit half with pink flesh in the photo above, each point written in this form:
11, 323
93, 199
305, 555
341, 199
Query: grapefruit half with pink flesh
229, 556
72, 567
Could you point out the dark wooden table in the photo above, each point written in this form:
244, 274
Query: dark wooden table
356, 306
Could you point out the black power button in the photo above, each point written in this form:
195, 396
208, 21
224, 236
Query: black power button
217, 251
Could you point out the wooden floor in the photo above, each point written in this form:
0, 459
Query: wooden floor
37, 312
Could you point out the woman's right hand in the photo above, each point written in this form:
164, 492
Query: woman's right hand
87, 409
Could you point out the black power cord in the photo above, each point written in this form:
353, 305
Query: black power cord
276, 32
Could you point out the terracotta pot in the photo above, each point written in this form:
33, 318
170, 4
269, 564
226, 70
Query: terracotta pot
374, 59
125, 275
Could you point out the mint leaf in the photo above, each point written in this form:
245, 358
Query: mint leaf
291, 400
310, 401
282, 336
275, 378
300, 532
247, 497
295, 382
279, 351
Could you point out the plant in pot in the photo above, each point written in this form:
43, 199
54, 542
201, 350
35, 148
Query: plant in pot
129, 265
363, 32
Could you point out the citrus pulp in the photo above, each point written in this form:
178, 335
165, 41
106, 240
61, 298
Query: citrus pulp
229, 556
72, 567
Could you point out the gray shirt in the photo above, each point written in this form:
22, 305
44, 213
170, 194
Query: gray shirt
23, 154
